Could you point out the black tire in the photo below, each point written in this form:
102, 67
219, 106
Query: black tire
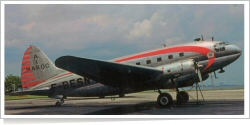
182, 97
58, 104
164, 100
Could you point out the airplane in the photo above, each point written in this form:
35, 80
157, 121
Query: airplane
170, 67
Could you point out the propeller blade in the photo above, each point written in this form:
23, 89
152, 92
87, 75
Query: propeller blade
199, 74
197, 70
212, 80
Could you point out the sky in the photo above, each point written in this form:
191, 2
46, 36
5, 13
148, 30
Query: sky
104, 31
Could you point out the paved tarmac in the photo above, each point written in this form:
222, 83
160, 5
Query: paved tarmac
217, 102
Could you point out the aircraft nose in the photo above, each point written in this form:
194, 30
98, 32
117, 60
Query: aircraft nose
238, 50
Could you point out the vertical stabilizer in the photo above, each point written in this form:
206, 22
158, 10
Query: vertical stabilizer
36, 67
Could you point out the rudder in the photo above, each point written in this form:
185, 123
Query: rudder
36, 67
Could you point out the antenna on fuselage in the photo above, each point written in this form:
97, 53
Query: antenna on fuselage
212, 38
197, 39
164, 45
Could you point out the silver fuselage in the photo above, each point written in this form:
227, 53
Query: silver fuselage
211, 56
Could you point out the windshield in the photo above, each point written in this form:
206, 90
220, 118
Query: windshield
219, 46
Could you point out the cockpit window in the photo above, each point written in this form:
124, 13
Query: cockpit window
219, 47
222, 48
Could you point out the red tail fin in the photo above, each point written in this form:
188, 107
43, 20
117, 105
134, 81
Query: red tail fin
36, 67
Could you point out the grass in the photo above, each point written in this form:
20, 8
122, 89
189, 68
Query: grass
23, 97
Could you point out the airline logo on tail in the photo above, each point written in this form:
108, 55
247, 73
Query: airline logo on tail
36, 67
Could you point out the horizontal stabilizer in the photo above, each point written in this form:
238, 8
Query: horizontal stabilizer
108, 73
44, 92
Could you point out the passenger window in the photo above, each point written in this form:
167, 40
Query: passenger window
138, 63
159, 59
170, 57
148, 61
181, 54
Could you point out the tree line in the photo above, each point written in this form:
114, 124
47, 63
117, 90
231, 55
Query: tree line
12, 83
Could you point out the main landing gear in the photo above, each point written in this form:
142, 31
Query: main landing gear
166, 100
182, 97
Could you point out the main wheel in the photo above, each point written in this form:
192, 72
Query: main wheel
182, 97
165, 100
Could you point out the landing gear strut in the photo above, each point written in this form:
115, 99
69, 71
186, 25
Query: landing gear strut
197, 90
164, 99
122, 92
197, 85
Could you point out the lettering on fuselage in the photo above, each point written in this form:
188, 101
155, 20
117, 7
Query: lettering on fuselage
73, 83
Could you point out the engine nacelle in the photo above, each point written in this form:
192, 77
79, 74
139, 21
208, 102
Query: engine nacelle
181, 70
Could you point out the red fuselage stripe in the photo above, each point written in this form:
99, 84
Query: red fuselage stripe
197, 49
62, 75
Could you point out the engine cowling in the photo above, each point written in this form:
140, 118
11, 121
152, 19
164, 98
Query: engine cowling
180, 71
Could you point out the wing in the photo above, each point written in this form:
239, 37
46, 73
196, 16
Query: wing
108, 73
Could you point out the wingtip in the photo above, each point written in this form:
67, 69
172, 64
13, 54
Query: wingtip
61, 60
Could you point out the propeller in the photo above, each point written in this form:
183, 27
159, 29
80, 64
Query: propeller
211, 75
198, 71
